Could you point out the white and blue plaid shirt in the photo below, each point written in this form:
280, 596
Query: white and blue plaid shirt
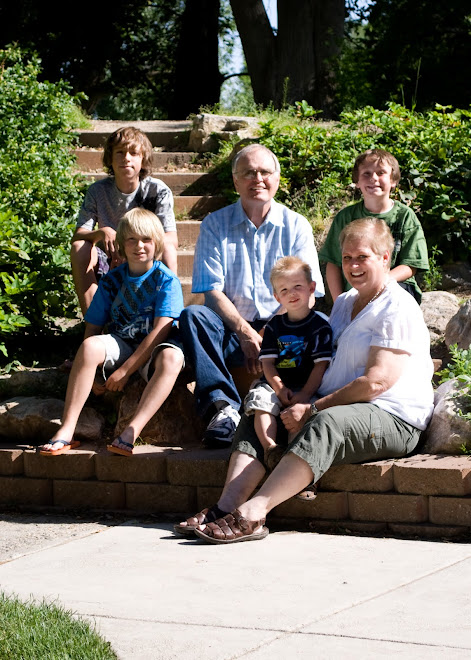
235, 257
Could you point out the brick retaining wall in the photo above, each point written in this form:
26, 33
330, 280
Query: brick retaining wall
424, 495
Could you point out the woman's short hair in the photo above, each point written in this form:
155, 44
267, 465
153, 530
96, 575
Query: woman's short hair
143, 223
245, 151
286, 265
374, 230
377, 156
130, 138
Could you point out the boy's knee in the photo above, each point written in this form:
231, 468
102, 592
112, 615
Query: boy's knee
82, 253
170, 359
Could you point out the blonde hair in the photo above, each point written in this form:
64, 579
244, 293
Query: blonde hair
143, 223
129, 137
288, 264
374, 230
377, 156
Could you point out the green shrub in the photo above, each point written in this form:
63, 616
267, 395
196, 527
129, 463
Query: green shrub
39, 196
433, 150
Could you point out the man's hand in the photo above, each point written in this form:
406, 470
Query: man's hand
300, 397
250, 342
295, 416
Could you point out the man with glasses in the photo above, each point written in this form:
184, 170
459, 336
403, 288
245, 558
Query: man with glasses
236, 250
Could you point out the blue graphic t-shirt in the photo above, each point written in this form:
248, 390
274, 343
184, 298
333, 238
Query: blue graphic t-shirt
296, 346
130, 304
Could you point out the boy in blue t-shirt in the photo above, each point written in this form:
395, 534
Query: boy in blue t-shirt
140, 301
296, 350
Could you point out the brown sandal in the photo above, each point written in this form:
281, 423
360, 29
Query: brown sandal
233, 528
308, 494
202, 518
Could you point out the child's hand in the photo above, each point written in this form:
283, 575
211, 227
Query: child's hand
108, 235
117, 381
300, 397
285, 396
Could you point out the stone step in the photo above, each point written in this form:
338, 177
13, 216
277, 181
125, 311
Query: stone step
190, 298
185, 262
198, 183
91, 160
167, 134
188, 232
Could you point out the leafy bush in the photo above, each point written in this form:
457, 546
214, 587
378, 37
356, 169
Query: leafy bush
39, 196
433, 150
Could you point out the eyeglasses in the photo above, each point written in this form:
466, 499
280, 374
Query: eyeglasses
252, 174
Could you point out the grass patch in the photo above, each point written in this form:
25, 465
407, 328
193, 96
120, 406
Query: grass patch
44, 630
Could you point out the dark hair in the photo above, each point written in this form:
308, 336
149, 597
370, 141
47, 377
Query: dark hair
377, 155
129, 137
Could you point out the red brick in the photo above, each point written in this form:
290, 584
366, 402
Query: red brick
200, 467
450, 510
374, 477
89, 494
427, 531
21, 490
160, 498
147, 464
388, 507
73, 464
426, 474
11, 461
326, 506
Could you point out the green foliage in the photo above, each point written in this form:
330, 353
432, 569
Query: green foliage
433, 150
39, 196
460, 366
45, 630
431, 279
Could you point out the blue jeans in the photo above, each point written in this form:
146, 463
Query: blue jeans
211, 349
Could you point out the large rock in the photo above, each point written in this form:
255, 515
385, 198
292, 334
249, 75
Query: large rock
175, 424
448, 430
458, 329
208, 130
456, 276
47, 381
35, 420
438, 307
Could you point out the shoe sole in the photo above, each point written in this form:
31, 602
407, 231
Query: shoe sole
240, 539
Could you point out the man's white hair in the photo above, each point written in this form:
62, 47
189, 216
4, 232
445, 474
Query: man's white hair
253, 147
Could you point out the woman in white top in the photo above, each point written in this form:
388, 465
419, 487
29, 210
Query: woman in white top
375, 399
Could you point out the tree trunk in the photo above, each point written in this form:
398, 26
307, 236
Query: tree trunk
298, 63
197, 78
258, 42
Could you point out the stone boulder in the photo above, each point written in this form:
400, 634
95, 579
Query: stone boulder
458, 329
47, 381
438, 307
456, 276
447, 430
35, 420
208, 130
175, 424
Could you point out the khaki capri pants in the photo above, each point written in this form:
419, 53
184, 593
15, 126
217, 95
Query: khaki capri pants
339, 435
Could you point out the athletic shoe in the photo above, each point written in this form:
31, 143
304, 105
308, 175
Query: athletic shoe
221, 428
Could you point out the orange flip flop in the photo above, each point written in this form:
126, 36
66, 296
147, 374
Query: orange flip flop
118, 450
66, 446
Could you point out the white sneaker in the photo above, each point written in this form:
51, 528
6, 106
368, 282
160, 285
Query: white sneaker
221, 428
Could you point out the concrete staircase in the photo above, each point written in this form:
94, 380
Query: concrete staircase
194, 189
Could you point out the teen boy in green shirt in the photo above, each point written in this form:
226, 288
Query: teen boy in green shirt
376, 172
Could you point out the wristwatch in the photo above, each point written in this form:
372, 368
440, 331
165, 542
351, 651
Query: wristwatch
313, 410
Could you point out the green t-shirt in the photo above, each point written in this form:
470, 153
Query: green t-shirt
410, 247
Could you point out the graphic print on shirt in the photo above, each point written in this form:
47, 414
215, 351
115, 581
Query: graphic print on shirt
291, 350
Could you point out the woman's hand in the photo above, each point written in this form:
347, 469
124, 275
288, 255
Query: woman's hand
295, 416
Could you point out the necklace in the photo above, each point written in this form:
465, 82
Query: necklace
377, 294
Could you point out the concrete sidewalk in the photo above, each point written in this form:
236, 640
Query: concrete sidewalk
156, 596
